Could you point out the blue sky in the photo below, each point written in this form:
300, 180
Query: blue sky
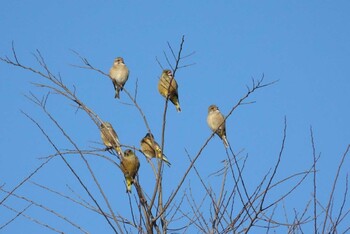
304, 45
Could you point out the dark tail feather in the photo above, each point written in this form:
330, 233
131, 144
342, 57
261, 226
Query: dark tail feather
224, 139
116, 94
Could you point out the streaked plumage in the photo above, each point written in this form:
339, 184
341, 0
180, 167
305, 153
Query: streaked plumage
167, 86
119, 73
110, 137
151, 149
130, 165
216, 122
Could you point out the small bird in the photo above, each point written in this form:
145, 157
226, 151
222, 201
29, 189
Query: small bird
216, 122
129, 165
167, 87
119, 73
151, 149
110, 137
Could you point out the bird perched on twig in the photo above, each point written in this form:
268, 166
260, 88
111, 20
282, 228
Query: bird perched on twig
216, 122
119, 73
167, 87
129, 165
109, 137
151, 149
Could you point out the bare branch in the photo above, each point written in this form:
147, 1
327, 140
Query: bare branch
32, 219
47, 209
314, 180
333, 188
71, 169
15, 217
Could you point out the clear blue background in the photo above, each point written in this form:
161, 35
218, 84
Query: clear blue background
303, 44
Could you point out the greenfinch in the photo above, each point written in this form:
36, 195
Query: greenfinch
167, 87
151, 149
216, 122
129, 165
110, 137
119, 73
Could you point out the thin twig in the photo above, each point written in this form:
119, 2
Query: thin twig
314, 180
333, 188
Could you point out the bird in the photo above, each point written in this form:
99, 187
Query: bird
167, 87
109, 137
151, 149
129, 165
216, 122
119, 73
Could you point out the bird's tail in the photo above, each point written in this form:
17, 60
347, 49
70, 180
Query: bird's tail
116, 88
116, 93
166, 161
128, 184
162, 156
175, 100
224, 140
178, 108
118, 150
